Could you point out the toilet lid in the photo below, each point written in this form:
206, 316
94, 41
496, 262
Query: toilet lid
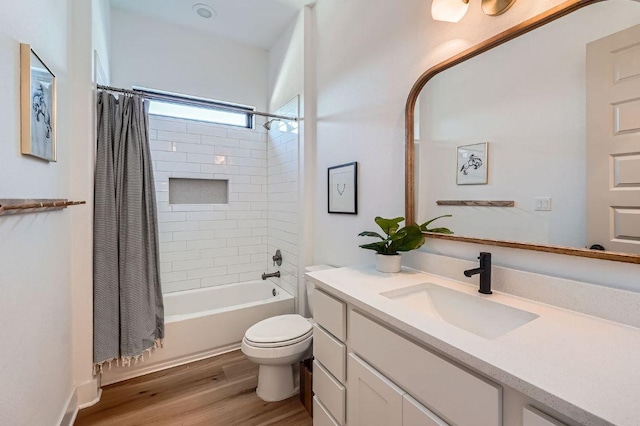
283, 328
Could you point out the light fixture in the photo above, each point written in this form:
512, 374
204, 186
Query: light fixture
454, 10
449, 10
204, 11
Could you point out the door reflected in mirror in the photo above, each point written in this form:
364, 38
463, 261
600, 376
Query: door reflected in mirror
559, 109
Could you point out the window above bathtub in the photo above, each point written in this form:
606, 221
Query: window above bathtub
200, 109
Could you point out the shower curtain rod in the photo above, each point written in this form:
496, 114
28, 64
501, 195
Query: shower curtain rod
189, 101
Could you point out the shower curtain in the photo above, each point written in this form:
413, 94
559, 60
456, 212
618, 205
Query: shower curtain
128, 310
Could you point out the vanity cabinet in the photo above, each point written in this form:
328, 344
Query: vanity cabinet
533, 417
331, 314
376, 401
373, 399
414, 414
457, 394
329, 365
368, 374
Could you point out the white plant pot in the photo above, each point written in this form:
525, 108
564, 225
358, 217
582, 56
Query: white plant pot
388, 263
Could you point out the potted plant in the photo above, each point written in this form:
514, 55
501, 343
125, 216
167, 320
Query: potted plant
397, 240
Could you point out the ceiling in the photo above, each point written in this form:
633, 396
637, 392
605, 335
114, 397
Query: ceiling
257, 23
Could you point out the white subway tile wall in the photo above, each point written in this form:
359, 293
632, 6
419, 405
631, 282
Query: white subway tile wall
207, 245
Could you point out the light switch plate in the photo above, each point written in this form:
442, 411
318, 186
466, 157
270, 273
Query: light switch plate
543, 204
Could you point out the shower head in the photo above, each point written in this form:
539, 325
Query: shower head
268, 124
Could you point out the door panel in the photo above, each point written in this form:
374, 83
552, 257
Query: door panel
613, 141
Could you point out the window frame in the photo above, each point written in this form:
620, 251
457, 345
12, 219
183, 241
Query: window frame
202, 103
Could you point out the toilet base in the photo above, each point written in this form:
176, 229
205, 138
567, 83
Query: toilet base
275, 382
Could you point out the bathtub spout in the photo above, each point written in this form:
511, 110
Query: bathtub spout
274, 275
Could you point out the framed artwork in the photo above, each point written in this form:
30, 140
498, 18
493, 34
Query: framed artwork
473, 164
343, 188
37, 106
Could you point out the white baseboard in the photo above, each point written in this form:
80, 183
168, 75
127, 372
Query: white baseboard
142, 369
92, 402
89, 393
71, 410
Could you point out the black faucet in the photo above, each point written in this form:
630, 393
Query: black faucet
485, 273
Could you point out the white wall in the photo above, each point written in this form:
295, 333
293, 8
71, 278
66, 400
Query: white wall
369, 55
35, 266
101, 35
149, 53
286, 64
531, 108
208, 245
87, 24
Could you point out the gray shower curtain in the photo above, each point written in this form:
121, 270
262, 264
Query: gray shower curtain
128, 310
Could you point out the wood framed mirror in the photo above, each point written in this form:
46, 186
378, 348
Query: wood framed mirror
545, 216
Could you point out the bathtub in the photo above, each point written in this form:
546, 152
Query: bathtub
206, 322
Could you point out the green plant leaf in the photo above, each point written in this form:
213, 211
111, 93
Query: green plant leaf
380, 247
424, 226
400, 234
413, 239
439, 231
370, 234
389, 226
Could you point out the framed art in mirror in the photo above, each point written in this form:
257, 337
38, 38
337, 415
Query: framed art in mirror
473, 164
37, 106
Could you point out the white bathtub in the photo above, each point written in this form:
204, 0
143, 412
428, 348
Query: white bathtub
207, 322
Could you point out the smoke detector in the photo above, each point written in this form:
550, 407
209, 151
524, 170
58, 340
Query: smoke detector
204, 11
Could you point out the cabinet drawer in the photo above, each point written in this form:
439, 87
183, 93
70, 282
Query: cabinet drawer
321, 416
330, 352
331, 314
533, 417
453, 393
415, 414
373, 399
329, 391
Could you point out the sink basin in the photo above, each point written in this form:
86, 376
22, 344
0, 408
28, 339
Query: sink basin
472, 313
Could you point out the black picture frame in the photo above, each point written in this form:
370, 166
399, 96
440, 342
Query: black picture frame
342, 189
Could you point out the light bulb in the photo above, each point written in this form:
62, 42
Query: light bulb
449, 10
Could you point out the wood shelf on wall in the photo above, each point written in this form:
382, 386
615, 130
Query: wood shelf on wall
12, 206
476, 203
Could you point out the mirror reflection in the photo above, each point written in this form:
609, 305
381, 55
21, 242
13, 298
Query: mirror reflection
549, 125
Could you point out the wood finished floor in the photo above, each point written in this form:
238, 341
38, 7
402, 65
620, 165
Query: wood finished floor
216, 391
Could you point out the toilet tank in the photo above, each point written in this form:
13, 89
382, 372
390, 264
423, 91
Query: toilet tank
310, 285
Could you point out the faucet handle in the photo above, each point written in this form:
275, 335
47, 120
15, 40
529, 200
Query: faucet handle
277, 259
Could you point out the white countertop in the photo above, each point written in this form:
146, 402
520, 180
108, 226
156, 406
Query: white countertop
584, 367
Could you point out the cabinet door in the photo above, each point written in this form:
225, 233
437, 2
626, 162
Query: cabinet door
331, 314
373, 399
533, 417
415, 414
329, 391
458, 395
321, 416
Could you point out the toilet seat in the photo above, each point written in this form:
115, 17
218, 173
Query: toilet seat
279, 344
279, 331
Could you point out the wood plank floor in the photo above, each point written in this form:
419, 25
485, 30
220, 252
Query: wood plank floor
215, 391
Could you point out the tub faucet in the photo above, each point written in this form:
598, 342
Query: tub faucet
485, 273
273, 275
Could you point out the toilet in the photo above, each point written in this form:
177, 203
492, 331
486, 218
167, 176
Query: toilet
277, 345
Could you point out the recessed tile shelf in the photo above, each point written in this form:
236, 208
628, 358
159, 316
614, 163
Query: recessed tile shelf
198, 191
11, 206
